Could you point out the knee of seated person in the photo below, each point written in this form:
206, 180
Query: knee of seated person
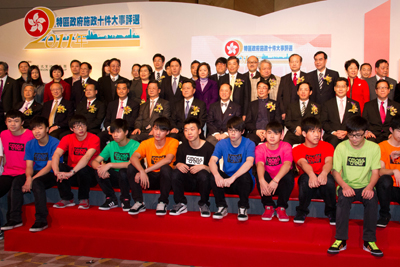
203, 175
36, 183
385, 182
303, 179
166, 168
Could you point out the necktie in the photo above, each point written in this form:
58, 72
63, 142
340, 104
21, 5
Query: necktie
187, 109
233, 85
83, 83
88, 104
158, 76
1, 87
252, 75
53, 113
295, 79
321, 80
120, 111
303, 109
174, 85
24, 107
151, 107
341, 110
382, 113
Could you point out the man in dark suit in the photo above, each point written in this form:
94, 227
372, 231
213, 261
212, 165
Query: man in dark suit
193, 70
59, 111
260, 113
382, 72
29, 107
185, 108
299, 110
287, 92
336, 112
322, 80
23, 67
253, 75
75, 67
151, 110
240, 83
78, 89
10, 95
220, 66
123, 108
379, 113
219, 114
159, 72
108, 84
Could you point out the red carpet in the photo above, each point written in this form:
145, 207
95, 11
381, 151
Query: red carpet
191, 240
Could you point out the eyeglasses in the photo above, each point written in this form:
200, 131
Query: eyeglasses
382, 87
79, 126
233, 131
358, 136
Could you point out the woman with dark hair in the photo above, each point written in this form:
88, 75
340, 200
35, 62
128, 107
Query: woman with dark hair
35, 78
56, 73
358, 88
135, 72
105, 70
138, 88
206, 89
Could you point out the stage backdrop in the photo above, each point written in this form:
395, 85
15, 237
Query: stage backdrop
134, 32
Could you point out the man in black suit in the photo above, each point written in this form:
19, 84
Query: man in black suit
253, 75
108, 84
336, 112
78, 89
322, 80
151, 110
10, 95
287, 92
379, 113
29, 107
59, 111
23, 67
193, 69
219, 114
382, 72
123, 108
260, 113
185, 108
299, 110
159, 73
75, 67
240, 83
220, 66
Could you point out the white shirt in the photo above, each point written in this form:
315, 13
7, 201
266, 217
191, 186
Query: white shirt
91, 102
379, 78
385, 104
4, 80
338, 102
297, 75
254, 74
54, 101
119, 106
234, 78
25, 106
190, 102
155, 74
177, 80
85, 80
301, 103
155, 101
323, 73
115, 78
223, 108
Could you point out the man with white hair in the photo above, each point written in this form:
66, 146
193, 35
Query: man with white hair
265, 70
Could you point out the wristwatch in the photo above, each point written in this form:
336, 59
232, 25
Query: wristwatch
73, 172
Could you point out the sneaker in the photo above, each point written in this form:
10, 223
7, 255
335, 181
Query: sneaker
221, 213
373, 249
1, 235
242, 214
136, 208
38, 226
299, 218
64, 203
383, 222
268, 214
11, 225
205, 211
161, 209
338, 246
178, 209
84, 204
332, 219
109, 204
126, 205
281, 214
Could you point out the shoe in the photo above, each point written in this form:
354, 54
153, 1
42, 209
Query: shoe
221, 213
281, 214
161, 209
299, 218
126, 205
136, 208
332, 219
268, 214
11, 225
84, 204
178, 209
242, 214
383, 222
38, 226
64, 203
109, 204
373, 249
338, 246
1, 235
205, 211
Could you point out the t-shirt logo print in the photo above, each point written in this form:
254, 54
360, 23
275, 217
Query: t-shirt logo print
121, 156
41, 157
194, 160
273, 161
313, 159
395, 161
16, 147
234, 158
79, 151
355, 161
155, 159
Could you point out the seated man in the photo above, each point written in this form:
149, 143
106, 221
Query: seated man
299, 110
192, 172
260, 113
37, 178
336, 112
114, 173
238, 155
82, 148
314, 161
356, 170
160, 153
29, 107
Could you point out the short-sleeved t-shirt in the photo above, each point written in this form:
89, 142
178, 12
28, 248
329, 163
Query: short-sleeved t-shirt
189, 156
117, 153
386, 149
357, 164
14, 151
148, 150
41, 155
77, 149
314, 156
274, 159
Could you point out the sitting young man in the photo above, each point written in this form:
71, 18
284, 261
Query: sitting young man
356, 164
238, 155
274, 163
160, 153
38, 176
192, 172
314, 161
82, 148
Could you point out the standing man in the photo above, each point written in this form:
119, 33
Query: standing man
265, 68
75, 66
365, 71
220, 65
78, 89
253, 74
382, 72
9, 90
193, 69
159, 72
23, 67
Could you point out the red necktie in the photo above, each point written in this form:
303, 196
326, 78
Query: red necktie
295, 79
88, 104
382, 112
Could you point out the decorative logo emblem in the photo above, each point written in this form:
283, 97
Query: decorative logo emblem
233, 48
36, 22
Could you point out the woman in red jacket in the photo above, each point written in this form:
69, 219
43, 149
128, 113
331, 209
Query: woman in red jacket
56, 73
358, 88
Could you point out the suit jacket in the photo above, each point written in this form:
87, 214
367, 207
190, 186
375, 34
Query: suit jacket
293, 114
241, 93
372, 82
60, 119
178, 114
252, 115
153, 75
214, 77
275, 80
36, 110
69, 81
168, 94
112, 109
320, 96
136, 90
105, 92
95, 119
216, 120
209, 94
255, 76
11, 94
144, 119
78, 92
287, 92
397, 93
20, 82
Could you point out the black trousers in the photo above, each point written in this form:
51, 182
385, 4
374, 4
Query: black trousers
104, 138
253, 137
141, 137
57, 133
333, 140
283, 190
386, 193
117, 179
293, 139
5, 186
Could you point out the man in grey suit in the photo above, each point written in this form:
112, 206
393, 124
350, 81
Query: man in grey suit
382, 72
265, 74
